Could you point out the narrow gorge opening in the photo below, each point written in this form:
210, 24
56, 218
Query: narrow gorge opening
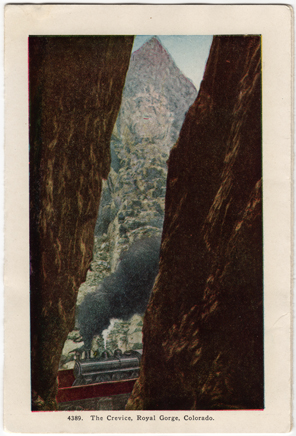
161, 84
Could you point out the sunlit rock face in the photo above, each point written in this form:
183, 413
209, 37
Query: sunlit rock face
203, 329
75, 93
155, 99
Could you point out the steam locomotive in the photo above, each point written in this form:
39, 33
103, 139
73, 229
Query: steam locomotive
120, 366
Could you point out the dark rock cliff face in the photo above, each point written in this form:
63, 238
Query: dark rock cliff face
75, 93
203, 329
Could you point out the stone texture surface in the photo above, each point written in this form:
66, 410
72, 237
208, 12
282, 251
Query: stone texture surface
75, 93
203, 329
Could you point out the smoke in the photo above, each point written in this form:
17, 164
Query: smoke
124, 293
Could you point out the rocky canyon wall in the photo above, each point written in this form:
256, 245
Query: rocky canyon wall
75, 93
203, 329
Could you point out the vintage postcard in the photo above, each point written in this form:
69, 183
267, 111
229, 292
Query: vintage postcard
148, 219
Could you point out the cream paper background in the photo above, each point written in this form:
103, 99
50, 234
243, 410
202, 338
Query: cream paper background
274, 23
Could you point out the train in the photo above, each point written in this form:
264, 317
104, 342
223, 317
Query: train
119, 366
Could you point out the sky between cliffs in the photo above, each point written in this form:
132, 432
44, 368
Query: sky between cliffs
190, 52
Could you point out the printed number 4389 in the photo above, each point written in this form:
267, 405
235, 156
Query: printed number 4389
75, 418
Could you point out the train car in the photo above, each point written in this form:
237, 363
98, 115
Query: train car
103, 383
120, 366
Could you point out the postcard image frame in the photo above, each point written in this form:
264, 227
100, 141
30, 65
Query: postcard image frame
180, 330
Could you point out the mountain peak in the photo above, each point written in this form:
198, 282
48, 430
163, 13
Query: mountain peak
154, 61
152, 46
154, 42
